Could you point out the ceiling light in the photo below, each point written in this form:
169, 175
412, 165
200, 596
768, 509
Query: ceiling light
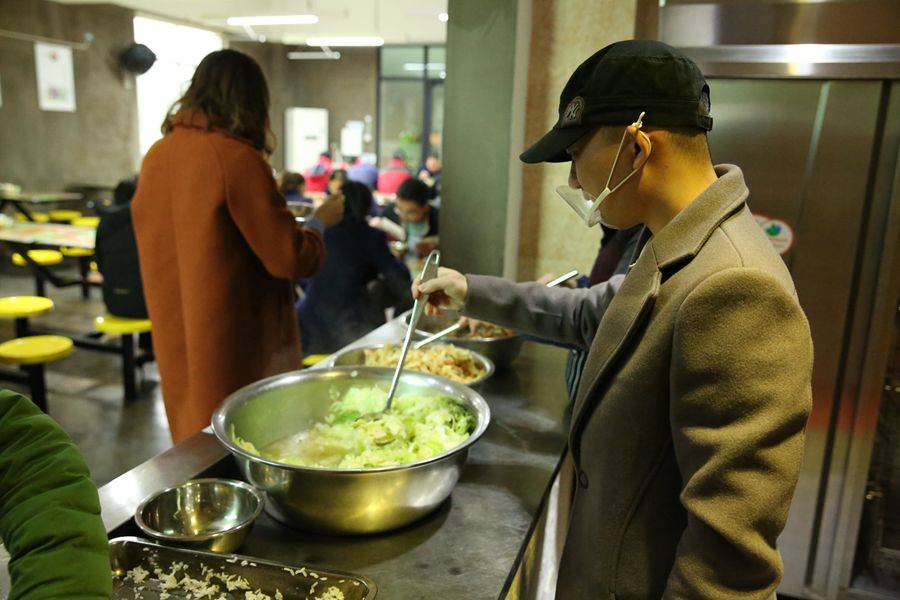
299, 55
345, 41
443, 17
274, 20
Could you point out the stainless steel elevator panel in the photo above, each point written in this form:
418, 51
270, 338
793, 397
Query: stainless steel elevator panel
806, 148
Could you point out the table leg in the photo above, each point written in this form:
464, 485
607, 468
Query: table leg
84, 269
40, 284
22, 328
38, 385
19, 207
128, 367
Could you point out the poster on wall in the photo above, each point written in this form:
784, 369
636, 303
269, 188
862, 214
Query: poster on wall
55, 77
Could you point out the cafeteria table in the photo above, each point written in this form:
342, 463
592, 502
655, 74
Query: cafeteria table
24, 236
21, 200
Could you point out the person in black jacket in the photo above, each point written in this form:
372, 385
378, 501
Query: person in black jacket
360, 278
417, 218
117, 256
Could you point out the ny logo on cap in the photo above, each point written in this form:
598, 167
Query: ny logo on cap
572, 114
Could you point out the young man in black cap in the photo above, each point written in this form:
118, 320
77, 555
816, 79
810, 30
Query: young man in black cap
687, 432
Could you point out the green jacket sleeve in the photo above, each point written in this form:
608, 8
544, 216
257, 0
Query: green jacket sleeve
741, 395
49, 509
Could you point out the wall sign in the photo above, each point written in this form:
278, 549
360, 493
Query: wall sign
55, 77
779, 232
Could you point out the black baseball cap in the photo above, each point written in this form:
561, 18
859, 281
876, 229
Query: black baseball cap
617, 84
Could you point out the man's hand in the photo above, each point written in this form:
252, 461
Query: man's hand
447, 291
331, 211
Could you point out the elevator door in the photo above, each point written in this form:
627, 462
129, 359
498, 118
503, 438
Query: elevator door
806, 149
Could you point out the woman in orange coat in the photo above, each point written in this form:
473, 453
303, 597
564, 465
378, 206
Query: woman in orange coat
218, 247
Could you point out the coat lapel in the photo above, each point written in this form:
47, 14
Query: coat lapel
621, 325
628, 313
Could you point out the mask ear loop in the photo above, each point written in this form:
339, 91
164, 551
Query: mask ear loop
638, 124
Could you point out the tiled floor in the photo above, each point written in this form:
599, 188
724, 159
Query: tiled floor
85, 389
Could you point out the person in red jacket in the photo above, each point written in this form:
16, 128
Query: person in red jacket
396, 173
317, 176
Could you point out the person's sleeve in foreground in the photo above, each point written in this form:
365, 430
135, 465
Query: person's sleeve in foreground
49, 509
262, 216
740, 398
559, 314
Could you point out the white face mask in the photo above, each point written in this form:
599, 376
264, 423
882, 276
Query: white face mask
588, 207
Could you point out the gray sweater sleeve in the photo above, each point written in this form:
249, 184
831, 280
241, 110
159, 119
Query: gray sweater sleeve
558, 314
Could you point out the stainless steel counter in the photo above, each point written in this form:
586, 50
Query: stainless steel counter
469, 548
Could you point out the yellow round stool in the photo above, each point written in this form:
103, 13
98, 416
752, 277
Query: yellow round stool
86, 222
313, 359
45, 258
121, 326
35, 349
131, 360
22, 308
38, 217
31, 354
64, 215
76, 252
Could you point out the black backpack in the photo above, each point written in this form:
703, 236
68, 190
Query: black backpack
117, 258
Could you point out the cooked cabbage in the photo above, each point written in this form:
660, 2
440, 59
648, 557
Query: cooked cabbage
416, 427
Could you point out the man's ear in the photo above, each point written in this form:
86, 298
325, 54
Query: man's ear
641, 146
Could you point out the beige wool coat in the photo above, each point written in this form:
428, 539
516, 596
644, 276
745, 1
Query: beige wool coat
687, 433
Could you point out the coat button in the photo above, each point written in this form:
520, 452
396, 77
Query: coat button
582, 479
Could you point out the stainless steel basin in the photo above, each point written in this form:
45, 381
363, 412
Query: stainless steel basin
350, 501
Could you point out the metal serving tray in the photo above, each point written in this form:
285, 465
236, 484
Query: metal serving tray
293, 582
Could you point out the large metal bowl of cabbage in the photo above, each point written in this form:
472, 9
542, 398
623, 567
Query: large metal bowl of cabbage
298, 437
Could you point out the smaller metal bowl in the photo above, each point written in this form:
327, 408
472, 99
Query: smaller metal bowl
356, 357
502, 350
208, 514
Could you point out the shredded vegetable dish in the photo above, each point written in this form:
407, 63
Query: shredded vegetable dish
456, 364
416, 427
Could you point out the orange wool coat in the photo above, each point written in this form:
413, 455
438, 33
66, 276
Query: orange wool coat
218, 252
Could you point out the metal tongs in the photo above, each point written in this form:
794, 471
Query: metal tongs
429, 271
458, 325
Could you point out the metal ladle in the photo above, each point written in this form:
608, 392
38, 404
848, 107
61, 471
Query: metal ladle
429, 271
457, 326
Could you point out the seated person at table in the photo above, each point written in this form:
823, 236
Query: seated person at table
394, 174
344, 301
49, 510
336, 180
430, 173
364, 171
293, 187
416, 216
117, 256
